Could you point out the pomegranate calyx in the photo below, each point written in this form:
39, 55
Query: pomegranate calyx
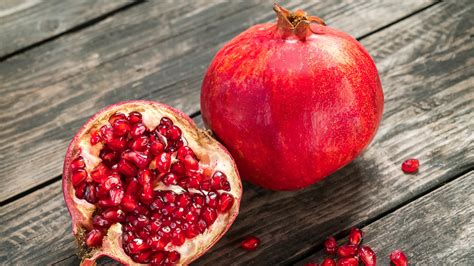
295, 23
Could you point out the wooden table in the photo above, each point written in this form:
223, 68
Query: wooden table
62, 61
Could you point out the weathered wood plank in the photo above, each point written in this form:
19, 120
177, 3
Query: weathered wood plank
26, 22
436, 229
156, 50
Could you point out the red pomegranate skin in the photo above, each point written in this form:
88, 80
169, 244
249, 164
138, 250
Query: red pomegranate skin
292, 107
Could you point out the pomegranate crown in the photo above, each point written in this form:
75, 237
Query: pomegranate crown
295, 23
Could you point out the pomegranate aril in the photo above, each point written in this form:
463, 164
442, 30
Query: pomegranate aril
120, 127
110, 158
147, 194
95, 137
100, 221
163, 162
410, 166
129, 203
117, 144
78, 176
211, 199
173, 257
106, 203
116, 194
173, 133
112, 181
155, 226
199, 199
127, 168
190, 163
219, 181
328, 262
77, 164
347, 261
134, 117
169, 197
184, 151
355, 236
157, 204
137, 245
140, 159
138, 130
330, 245
89, 194
398, 258
250, 243
140, 144
143, 257
117, 116
367, 256
209, 215
177, 237
94, 237
347, 250
170, 179
225, 202
100, 173
114, 215
182, 200
157, 147
107, 133
158, 258
165, 121
80, 190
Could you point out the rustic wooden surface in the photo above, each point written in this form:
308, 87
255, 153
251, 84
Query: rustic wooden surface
159, 50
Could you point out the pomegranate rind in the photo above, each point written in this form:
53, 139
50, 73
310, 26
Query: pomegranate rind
211, 153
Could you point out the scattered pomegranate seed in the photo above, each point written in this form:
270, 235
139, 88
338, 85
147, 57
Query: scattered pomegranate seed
398, 258
250, 243
410, 166
328, 262
330, 245
347, 250
355, 236
367, 256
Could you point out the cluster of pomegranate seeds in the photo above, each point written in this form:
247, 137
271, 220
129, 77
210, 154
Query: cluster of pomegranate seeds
136, 160
410, 166
250, 243
353, 253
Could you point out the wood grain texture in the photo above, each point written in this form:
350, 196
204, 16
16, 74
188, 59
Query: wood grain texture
156, 50
26, 22
436, 229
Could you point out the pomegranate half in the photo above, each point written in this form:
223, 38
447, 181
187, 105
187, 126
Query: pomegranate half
293, 101
144, 185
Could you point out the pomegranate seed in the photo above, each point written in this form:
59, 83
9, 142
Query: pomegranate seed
157, 147
173, 133
94, 238
169, 197
165, 121
355, 236
330, 245
192, 231
163, 162
178, 168
137, 130
410, 166
209, 215
80, 190
112, 181
328, 262
177, 237
398, 258
140, 159
117, 116
158, 258
347, 250
173, 257
89, 194
311, 264
78, 163
127, 168
100, 221
78, 176
211, 199
170, 179
137, 245
157, 204
347, 261
114, 215
129, 203
225, 202
107, 133
134, 117
199, 199
144, 177
250, 243
100, 173
109, 158
190, 163
95, 137
106, 203
147, 194
140, 143
182, 200
117, 144
367, 256
116, 195
121, 127
143, 257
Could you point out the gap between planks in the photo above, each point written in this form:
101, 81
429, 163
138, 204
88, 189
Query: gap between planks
72, 30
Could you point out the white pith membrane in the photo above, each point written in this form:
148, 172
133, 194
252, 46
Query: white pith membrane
210, 153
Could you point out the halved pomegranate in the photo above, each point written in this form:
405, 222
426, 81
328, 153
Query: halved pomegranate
144, 185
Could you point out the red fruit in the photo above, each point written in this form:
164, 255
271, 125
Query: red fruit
123, 182
410, 166
250, 243
347, 250
293, 101
330, 245
348, 261
328, 262
367, 256
398, 258
355, 236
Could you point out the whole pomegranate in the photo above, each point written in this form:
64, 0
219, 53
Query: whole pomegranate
293, 101
144, 185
